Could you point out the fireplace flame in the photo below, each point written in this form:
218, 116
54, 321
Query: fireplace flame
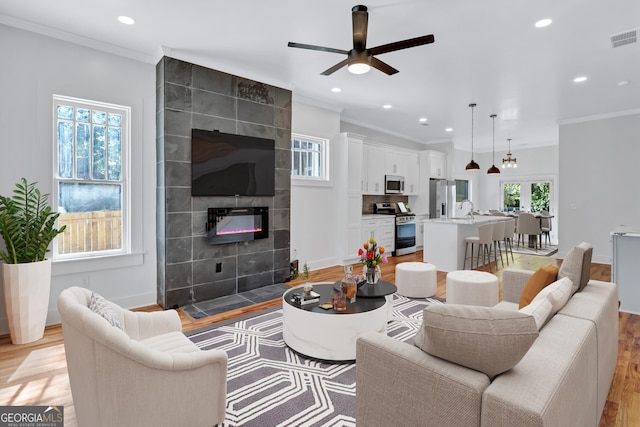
240, 231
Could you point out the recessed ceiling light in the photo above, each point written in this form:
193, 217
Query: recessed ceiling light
623, 82
386, 106
543, 23
580, 79
336, 89
423, 119
126, 20
449, 130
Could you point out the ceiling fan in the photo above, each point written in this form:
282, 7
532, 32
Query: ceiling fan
360, 59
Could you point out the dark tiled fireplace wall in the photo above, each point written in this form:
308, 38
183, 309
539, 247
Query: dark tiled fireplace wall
191, 96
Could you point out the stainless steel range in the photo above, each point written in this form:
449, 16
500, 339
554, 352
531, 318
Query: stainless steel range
405, 232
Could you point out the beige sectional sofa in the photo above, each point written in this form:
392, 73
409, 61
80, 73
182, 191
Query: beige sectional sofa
562, 380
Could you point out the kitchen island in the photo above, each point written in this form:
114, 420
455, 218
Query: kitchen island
444, 240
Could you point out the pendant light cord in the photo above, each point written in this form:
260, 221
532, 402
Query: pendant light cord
472, 106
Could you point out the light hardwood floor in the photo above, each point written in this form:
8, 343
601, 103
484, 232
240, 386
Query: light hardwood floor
36, 374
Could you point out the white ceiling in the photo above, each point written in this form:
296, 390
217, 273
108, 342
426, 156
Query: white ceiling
487, 52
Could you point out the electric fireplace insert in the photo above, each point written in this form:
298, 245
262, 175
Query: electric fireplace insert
228, 225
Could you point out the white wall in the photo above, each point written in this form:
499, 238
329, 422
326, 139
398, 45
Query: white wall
314, 211
34, 68
599, 172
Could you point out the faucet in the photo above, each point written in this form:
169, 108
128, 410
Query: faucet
470, 213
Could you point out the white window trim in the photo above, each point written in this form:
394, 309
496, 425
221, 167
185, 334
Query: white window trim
326, 164
119, 257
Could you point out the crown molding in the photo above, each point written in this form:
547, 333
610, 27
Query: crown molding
599, 117
75, 39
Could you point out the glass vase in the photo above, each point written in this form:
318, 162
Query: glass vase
371, 274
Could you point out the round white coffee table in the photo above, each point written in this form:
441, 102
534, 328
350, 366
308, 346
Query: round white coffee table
328, 334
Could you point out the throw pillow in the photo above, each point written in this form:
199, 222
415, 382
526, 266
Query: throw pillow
538, 280
558, 293
540, 310
485, 339
577, 266
101, 306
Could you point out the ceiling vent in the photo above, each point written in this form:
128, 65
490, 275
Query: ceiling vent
627, 37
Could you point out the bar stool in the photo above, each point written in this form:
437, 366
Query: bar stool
498, 236
484, 240
509, 230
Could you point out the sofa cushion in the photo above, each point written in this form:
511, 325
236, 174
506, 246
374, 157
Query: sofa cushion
541, 278
101, 306
540, 310
485, 339
577, 266
558, 293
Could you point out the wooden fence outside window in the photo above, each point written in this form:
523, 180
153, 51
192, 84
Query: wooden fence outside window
90, 231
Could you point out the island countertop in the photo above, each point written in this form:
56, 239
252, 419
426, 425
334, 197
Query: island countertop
477, 219
444, 239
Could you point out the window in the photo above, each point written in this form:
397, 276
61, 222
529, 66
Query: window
309, 158
462, 190
91, 142
511, 197
527, 195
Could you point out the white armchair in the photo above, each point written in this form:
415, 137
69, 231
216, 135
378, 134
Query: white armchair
149, 374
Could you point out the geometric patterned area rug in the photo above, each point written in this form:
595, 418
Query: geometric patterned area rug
270, 385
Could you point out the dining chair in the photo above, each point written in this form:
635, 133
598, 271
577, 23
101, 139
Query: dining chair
530, 225
545, 228
484, 240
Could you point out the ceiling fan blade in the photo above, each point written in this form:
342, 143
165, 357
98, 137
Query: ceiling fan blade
321, 48
404, 44
335, 67
360, 18
382, 66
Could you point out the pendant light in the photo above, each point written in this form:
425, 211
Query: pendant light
509, 162
493, 169
472, 166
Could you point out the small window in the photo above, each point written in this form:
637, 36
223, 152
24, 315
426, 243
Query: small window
90, 146
309, 158
462, 190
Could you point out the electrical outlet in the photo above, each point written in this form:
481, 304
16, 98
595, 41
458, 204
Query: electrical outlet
218, 267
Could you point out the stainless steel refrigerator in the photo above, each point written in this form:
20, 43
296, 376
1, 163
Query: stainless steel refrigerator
442, 198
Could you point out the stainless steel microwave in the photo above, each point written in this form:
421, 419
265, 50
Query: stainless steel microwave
393, 184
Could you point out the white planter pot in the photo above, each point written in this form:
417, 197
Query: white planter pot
26, 295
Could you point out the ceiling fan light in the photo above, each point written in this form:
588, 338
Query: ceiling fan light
358, 68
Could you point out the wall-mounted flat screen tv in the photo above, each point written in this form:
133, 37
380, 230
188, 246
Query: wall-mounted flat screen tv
224, 164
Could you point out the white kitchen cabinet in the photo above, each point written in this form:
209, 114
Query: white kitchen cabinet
395, 162
373, 169
412, 174
382, 230
437, 165
348, 171
355, 183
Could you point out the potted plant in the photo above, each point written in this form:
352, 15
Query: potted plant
27, 226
